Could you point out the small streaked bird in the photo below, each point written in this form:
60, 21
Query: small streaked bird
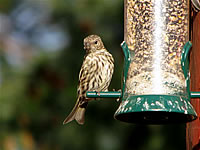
95, 75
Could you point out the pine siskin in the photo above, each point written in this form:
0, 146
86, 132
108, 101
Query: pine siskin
95, 75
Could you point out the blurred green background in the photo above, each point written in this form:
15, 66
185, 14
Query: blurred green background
41, 52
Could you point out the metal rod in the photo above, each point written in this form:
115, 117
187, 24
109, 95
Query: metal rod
195, 94
113, 94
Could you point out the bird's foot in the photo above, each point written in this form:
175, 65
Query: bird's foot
120, 90
98, 93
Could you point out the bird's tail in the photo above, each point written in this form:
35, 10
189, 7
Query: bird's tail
77, 113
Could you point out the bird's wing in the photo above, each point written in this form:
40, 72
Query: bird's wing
87, 74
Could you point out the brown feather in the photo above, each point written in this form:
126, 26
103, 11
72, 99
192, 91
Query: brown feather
72, 115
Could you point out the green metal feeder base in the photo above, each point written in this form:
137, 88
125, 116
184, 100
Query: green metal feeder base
155, 109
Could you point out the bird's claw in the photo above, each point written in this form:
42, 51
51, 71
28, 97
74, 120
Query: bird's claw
120, 90
98, 93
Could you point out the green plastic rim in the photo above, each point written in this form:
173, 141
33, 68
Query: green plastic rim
155, 109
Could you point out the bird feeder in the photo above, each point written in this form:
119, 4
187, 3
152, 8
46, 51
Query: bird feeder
156, 76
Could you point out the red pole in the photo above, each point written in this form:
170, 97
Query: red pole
193, 128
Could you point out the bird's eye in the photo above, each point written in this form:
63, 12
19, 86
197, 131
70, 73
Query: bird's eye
95, 42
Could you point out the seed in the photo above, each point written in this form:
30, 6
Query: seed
156, 30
